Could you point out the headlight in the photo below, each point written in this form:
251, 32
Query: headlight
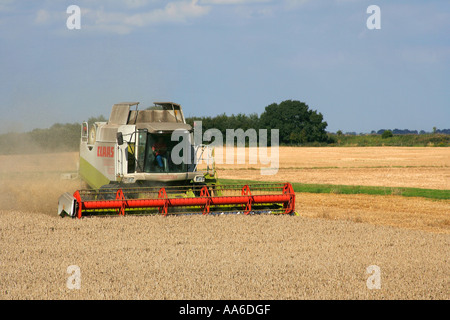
199, 179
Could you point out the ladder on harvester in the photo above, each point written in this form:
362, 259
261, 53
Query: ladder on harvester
204, 153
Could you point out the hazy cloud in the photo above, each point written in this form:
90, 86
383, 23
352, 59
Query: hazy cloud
136, 3
114, 18
122, 23
6, 5
295, 3
225, 2
122, 17
42, 16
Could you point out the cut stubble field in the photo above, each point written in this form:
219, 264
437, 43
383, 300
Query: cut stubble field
427, 168
321, 254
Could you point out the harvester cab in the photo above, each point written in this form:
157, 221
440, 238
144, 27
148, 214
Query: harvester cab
145, 161
136, 148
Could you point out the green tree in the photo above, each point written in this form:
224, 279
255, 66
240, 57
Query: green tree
387, 134
297, 124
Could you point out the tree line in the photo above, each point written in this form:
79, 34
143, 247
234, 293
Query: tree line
60, 137
399, 132
296, 122
298, 125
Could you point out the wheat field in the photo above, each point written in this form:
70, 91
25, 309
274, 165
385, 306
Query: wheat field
323, 253
217, 257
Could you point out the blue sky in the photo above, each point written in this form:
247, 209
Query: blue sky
235, 56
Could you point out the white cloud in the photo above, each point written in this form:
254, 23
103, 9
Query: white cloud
177, 12
112, 19
122, 23
257, 8
124, 16
118, 4
219, 2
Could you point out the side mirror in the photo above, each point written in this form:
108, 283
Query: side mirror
119, 138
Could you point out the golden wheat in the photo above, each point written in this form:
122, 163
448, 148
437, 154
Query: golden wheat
216, 257
322, 254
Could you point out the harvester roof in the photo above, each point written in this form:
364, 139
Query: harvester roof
169, 113
163, 127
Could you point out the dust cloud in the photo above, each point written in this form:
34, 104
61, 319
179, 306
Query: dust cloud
34, 182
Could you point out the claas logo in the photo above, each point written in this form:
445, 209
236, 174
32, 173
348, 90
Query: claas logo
106, 152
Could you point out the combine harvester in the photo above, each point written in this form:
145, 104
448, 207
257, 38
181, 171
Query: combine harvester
129, 165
